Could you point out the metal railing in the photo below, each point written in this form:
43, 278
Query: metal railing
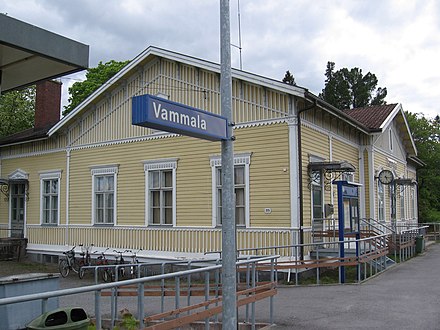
247, 294
368, 256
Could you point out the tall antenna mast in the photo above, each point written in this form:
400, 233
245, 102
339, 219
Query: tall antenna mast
239, 35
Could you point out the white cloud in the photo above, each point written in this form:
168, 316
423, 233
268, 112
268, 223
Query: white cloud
398, 40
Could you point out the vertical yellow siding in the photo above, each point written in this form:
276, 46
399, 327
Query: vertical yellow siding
269, 174
344, 151
33, 166
110, 118
269, 180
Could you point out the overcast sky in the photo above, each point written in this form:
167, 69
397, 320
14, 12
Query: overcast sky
397, 40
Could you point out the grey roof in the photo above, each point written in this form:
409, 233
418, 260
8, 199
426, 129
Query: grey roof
29, 54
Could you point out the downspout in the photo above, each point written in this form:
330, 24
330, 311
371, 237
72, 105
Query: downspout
66, 238
301, 207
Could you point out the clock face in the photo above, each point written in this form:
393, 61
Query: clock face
386, 176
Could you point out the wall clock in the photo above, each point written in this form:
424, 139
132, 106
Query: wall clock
386, 176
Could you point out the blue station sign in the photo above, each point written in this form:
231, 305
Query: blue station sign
158, 113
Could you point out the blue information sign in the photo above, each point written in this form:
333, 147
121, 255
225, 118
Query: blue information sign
158, 113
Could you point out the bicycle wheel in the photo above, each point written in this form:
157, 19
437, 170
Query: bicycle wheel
63, 267
81, 272
76, 265
106, 275
121, 273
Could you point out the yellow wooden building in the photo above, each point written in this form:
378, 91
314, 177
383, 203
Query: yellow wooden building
93, 177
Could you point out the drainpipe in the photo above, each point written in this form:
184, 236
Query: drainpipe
66, 238
301, 207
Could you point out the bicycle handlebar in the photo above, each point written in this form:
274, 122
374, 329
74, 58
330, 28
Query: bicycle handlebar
71, 250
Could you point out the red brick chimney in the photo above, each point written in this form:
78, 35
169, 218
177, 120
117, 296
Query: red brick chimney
47, 104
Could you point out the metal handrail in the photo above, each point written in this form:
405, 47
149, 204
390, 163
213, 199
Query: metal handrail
376, 225
97, 288
279, 247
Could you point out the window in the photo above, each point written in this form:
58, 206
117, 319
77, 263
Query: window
380, 201
160, 177
402, 202
391, 139
104, 194
317, 189
50, 201
413, 209
392, 191
349, 177
241, 189
317, 195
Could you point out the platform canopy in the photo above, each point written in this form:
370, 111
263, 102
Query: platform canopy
29, 54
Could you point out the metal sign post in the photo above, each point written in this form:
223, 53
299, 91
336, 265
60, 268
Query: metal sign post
229, 276
158, 113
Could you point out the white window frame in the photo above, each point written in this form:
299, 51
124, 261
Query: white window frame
413, 204
46, 176
243, 159
105, 170
392, 191
380, 197
349, 177
159, 165
402, 202
320, 185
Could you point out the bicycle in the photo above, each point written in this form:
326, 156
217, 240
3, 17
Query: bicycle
106, 273
86, 259
134, 270
69, 262
119, 260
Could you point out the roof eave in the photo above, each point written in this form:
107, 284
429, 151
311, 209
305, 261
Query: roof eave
391, 116
417, 160
24, 141
399, 109
335, 111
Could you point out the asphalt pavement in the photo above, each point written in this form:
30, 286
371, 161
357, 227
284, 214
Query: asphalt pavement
406, 296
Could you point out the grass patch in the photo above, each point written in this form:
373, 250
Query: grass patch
329, 276
23, 267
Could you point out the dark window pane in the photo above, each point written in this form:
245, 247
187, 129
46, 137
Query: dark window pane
239, 197
239, 175
168, 196
167, 179
168, 216
240, 215
154, 179
155, 198
156, 215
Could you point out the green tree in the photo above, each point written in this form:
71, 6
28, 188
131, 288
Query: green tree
17, 109
95, 78
426, 134
347, 89
288, 78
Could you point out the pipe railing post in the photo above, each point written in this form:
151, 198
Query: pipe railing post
206, 298
272, 270
98, 309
